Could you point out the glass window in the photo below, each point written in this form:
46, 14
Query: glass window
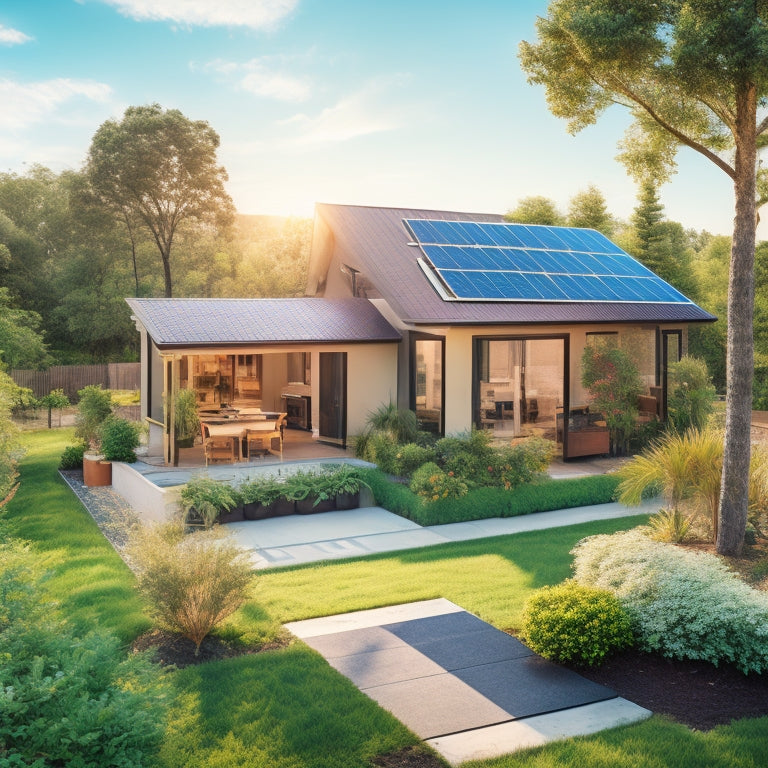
427, 365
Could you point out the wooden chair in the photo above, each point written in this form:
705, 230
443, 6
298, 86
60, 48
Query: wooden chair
218, 448
263, 440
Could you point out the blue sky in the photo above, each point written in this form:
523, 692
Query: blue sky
397, 102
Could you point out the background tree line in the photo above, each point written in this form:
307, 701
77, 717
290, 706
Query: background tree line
67, 264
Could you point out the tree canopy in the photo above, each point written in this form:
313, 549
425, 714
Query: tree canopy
694, 75
535, 209
158, 167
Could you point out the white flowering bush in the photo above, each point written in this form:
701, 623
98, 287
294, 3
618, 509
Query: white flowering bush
685, 604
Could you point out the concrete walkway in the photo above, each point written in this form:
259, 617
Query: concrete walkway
296, 539
469, 690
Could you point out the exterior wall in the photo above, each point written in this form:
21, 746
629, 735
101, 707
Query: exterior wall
458, 360
371, 381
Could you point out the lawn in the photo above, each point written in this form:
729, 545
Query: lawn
288, 708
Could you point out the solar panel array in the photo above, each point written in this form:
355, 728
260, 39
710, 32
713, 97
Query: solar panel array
473, 261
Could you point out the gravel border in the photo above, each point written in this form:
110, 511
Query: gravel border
109, 510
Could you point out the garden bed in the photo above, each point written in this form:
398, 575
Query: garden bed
695, 693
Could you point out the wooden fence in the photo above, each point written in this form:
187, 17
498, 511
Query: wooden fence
72, 378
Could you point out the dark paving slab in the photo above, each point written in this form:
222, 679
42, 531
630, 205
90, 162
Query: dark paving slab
454, 625
354, 641
484, 647
453, 673
532, 686
389, 665
438, 705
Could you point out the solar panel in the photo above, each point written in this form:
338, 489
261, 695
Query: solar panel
480, 261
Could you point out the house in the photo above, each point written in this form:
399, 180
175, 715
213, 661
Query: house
466, 319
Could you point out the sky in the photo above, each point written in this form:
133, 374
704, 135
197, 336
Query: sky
406, 103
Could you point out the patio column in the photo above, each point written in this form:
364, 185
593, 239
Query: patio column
170, 388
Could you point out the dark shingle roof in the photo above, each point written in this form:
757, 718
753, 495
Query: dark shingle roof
202, 322
375, 242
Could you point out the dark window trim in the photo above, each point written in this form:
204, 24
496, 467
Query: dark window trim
564, 337
413, 337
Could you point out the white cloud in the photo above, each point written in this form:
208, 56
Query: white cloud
357, 115
261, 78
275, 85
207, 13
10, 36
25, 104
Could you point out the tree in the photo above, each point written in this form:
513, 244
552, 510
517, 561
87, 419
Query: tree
535, 210
159, 167
694, 75
588, 209
21, 343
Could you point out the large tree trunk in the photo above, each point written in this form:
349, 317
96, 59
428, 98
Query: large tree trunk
734, 495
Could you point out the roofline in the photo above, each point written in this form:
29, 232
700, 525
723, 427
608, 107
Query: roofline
258, 344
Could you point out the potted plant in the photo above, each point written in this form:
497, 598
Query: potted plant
186, 421
345, 483
265, 497
312, 491
203, 500
119, 439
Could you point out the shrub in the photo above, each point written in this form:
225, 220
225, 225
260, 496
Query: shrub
681, 466
432, 483
203, 497
614, 384
685, 604
468, 456
379, 448
409, 457
66, 699
72, 457
691, 394
392, 496
670, 525
514, 465
119, 439
94, 405
570, 622
400, 424
193, 582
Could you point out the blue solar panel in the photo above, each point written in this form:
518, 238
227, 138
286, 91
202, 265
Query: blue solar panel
479, 261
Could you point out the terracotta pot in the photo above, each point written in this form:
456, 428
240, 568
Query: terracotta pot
96, 471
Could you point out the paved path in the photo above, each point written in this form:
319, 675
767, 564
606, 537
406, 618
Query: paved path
281, 541
469, 690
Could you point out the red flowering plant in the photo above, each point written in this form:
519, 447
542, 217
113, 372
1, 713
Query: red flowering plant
613, 382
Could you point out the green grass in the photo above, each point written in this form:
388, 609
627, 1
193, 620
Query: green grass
288, 708
481, 503
87, 577
654, 743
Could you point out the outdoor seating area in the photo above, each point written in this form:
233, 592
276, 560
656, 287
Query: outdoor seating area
230, 435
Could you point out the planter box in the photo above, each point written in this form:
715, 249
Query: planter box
592, 441
234, 515
279, 508
348, 500
96, 471
308, 507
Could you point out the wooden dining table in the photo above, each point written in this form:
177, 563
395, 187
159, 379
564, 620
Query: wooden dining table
236, 428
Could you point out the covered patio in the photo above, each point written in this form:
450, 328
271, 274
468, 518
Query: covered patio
264, 379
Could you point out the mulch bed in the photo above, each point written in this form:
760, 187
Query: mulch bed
692, 692
173, 649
